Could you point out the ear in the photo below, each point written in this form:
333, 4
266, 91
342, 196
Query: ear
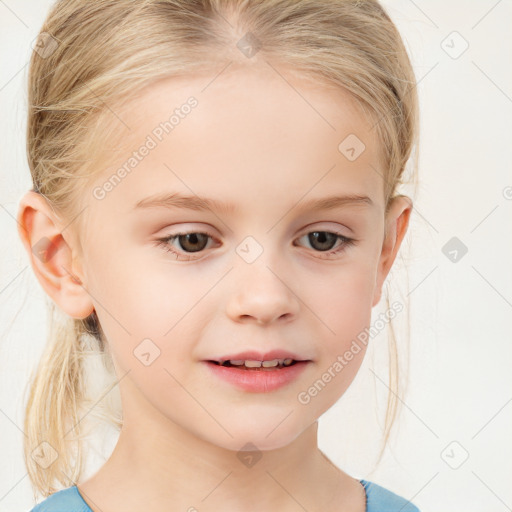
397, 222
51, 257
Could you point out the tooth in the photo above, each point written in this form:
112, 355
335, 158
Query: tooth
269, 364
253, 364
237, 362
287, 362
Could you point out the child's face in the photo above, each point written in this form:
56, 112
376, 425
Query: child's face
258, 283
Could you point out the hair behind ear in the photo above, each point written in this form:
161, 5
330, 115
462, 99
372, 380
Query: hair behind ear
52, 424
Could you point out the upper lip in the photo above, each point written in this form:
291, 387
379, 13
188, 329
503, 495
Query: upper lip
253, 355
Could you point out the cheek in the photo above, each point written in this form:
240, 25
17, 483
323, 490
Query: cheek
143, 297
150, 314
342, 301
343, 304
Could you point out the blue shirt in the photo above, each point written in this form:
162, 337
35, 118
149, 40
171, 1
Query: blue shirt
378, 499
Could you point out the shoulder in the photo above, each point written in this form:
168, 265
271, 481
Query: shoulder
380, 499
66, 500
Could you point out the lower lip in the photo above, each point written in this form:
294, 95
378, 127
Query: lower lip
258, 381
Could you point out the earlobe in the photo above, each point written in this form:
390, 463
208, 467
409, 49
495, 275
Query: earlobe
51, 257
397, 222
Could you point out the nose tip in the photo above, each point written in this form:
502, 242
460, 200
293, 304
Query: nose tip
262, 297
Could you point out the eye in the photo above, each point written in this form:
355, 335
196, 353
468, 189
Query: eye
189, 243
195, 242
324, 241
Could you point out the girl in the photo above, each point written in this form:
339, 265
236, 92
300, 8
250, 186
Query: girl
215, 212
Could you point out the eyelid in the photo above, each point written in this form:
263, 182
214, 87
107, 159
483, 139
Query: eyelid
331, 229
183, 230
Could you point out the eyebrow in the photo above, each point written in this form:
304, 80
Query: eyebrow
193, 202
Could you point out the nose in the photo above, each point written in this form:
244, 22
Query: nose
261, 295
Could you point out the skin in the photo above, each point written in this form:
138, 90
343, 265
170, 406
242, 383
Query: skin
255, 142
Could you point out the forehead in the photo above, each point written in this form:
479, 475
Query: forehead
260, 131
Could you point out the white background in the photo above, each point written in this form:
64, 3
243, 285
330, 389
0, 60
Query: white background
460, 378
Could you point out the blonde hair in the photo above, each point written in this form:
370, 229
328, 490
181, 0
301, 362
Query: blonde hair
104, 52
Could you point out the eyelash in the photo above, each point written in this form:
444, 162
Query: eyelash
164, 243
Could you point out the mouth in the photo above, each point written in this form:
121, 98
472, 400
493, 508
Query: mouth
250, 365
